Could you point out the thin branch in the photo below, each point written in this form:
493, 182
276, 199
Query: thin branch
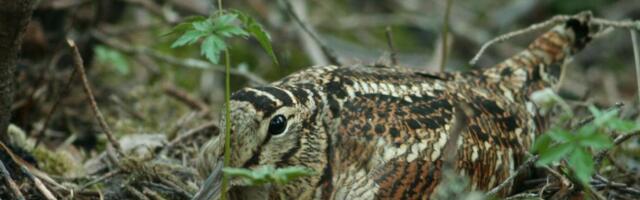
636, 56
619, 140
330, 53
393, 55
462, 112
64, 91
43, 189
626, 24
188, 134
507, 181
555, 20
99, 179
133, 191
12, 184
78, 63
445, 33
185, 98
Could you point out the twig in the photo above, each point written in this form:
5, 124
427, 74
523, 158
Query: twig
162, 187
188, 134
175, 186
614, 185
620, 139
192, 63
64, 91
393, 55
99, 179
507, 181
636, 56
555, 20
445, 33
136, 193
185, 98
523, 196
330, 53
626, 24
78, 63
153, 194
43, 189
12, 185
449, 151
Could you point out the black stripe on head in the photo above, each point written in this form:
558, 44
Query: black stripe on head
278, 93
260, 102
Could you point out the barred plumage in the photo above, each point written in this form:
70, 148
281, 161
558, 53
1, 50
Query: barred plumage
376, 132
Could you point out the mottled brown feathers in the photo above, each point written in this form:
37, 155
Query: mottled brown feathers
379, 132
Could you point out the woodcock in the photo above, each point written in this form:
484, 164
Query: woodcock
379, 132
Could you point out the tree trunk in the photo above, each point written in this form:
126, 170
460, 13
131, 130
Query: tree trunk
14, 17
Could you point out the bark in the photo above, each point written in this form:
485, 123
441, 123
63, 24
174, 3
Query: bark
14, 17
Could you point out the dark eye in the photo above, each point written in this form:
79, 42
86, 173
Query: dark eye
277, 125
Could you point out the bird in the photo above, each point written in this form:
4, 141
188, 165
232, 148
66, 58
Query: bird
380, 132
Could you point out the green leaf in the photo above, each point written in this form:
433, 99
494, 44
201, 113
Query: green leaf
111, 57
541, 143
555, 153
211, 48
258, 32
232, 30
284, 175
203, 26
225, 19
188, 38
594, 111
186, 25
601, 118
595, 140
560, 135
582, 164
624, 126
269, 174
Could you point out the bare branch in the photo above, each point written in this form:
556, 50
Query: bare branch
330, 53
78, 63
12, 184
393, 55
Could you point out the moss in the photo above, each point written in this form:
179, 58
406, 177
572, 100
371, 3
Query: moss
57, 162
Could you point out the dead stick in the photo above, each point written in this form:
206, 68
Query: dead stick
445, 33
133, 191
636, 56
506, 182
78, 63
40, 133
188, 134
331, 55
43, 189
502, 38
185, 98
12, 185
619, 140
389, 34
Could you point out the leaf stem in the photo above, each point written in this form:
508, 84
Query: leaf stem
227, 130
227, 107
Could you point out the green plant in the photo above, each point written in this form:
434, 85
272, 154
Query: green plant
269, 174
211, 32
113, 58
576, 147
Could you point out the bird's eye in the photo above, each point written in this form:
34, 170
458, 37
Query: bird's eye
277, 125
